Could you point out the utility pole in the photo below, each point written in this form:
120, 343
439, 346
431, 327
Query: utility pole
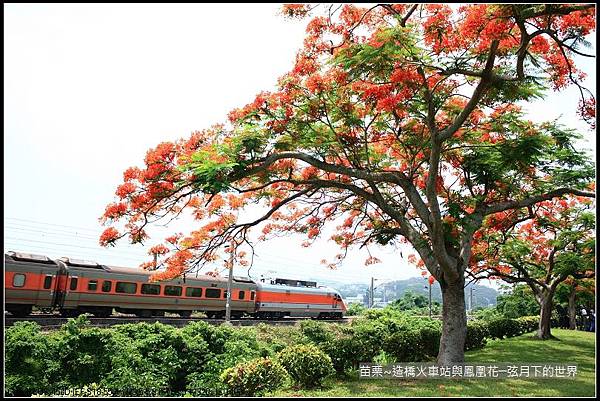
471, 300
229, 281
430, 300
371, 300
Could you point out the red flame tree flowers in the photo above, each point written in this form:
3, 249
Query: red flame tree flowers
401, 121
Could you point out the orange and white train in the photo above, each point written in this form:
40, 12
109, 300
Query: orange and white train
74, 286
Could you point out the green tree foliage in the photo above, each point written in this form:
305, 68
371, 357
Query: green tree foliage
519, 302
416, 304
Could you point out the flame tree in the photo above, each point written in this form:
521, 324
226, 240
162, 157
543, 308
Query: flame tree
397, 123
557, 244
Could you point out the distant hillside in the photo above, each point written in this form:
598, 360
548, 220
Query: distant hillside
482, 295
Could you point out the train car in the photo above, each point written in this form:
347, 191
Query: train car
75, 286
97, 289
279, 298
30, 280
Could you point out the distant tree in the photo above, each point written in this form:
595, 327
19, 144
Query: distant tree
576, 292
398, 123
519, 302
557, 242
411, 301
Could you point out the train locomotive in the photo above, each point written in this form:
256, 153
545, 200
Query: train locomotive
74, 286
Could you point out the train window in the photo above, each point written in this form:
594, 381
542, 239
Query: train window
127, 288
106, 286
252, 295
92, 285
47, 282
225, 294
73, 286
193, 292
241, 295
18, 280
172, 290
151, 289
213, 293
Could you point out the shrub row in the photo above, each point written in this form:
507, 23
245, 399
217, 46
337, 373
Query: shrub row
505, 327
127, 360
377, 334
204, 360
384, 333
155, 359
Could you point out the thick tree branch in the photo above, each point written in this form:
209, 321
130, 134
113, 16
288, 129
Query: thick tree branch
478, 93
502, 206
553, 9
394, 177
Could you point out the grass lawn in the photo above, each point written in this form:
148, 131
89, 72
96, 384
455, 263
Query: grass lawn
569, 347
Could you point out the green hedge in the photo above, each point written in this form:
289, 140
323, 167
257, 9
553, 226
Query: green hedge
477, 334
528, 324
396, 334
162, 360
400, 336
503, 328
129, 359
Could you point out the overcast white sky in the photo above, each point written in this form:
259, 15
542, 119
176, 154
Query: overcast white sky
88, 89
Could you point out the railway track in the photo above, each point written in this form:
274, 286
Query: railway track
54, 322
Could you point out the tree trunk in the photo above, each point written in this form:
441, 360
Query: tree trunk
454, 326
545, 316
572, 311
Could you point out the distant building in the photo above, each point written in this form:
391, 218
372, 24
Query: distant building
354, 300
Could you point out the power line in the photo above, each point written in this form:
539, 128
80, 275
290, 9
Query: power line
82, 238
124, 251
49, 233
66, 245
55, 234
50, 224
50, 229
70, 253
299, 265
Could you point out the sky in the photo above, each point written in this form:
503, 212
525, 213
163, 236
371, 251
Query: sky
88, 89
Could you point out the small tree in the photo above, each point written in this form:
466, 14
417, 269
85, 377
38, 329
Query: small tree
557, 243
